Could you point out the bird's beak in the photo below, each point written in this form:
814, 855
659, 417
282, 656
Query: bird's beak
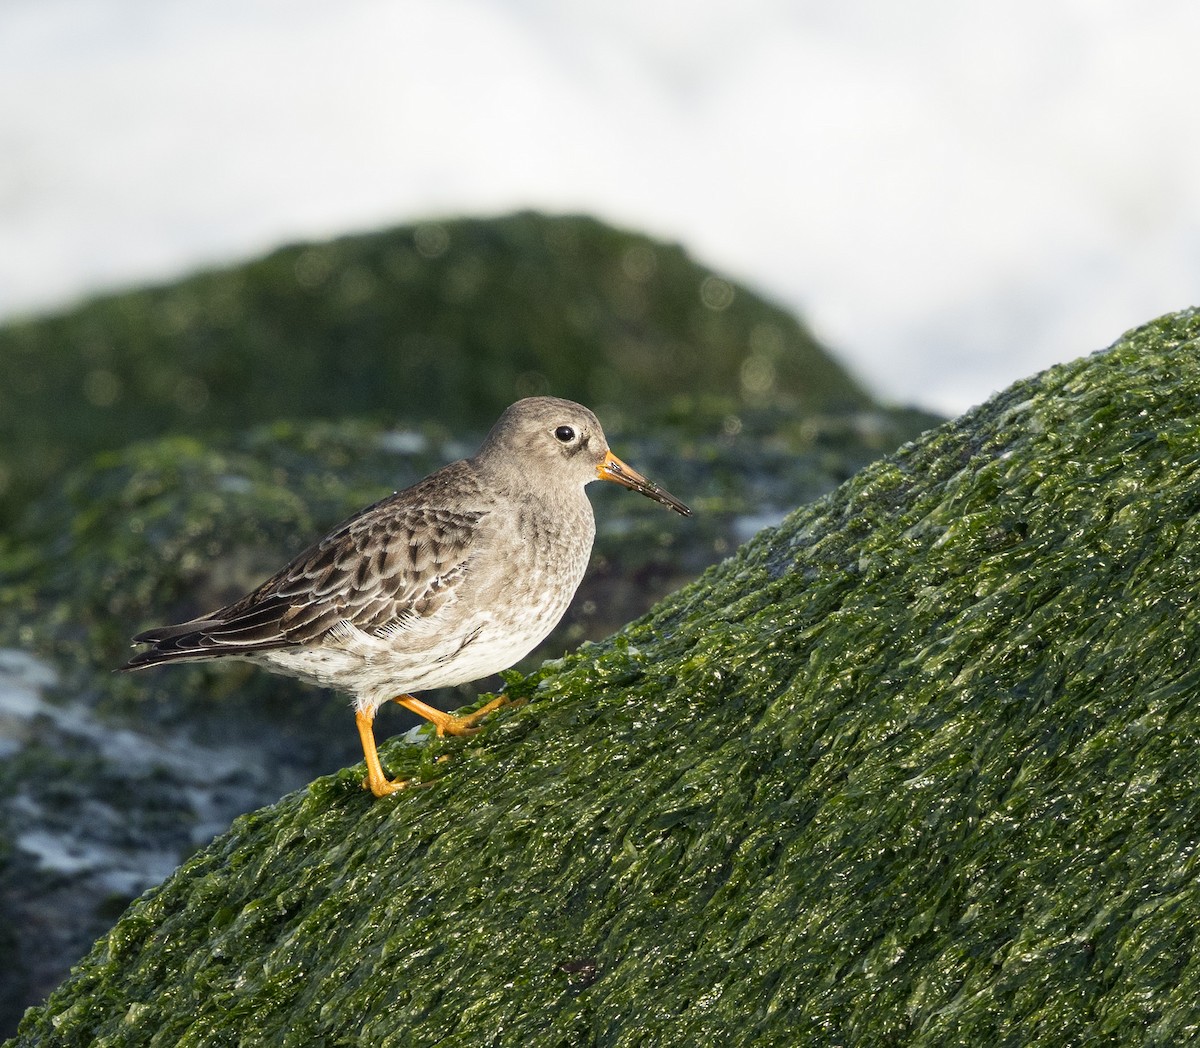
612, 468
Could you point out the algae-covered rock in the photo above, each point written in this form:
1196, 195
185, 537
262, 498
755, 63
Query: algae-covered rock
448, 321
164, 449
916, 766
108, 781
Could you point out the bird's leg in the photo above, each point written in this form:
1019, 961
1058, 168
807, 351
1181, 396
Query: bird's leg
448, 723
378, 783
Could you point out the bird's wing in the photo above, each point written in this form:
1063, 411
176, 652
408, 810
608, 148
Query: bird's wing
381, 570
394, 564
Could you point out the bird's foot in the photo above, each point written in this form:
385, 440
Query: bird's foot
450, 723
378, 783
468, 724
384, 787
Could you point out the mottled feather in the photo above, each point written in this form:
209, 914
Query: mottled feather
452, 579
398, 560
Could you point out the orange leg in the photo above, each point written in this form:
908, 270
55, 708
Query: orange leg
378, 783
448, 723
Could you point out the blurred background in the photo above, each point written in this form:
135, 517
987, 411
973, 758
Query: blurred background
265, 261
952, 195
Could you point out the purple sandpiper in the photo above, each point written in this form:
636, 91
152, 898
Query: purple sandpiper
453, 579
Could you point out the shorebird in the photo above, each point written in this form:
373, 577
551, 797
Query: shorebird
453, 579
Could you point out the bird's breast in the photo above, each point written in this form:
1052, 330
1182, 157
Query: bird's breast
552, 548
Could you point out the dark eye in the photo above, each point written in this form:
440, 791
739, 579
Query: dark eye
565, 433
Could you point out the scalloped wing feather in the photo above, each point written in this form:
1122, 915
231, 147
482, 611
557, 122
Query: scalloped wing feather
390, 567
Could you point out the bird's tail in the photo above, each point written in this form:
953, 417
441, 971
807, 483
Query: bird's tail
178, 643
240, 629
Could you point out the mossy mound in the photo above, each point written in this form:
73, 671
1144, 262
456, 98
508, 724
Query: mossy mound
917, 766
447, 321
108, 781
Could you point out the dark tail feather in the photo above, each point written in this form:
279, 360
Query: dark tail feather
194, 628
201, 639
185, 640
154, 657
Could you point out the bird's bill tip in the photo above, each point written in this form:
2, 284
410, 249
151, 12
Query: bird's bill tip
612, 468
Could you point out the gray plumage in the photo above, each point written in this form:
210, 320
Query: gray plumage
452, 579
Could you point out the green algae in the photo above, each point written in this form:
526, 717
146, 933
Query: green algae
164, 529
916, 767
440, 322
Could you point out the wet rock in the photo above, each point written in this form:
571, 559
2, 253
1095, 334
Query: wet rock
917, 765
109, 781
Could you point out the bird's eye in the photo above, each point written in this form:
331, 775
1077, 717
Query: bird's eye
565, 433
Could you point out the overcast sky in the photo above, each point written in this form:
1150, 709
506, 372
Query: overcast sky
954, 194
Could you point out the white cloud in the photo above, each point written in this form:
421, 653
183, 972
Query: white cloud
955, 195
